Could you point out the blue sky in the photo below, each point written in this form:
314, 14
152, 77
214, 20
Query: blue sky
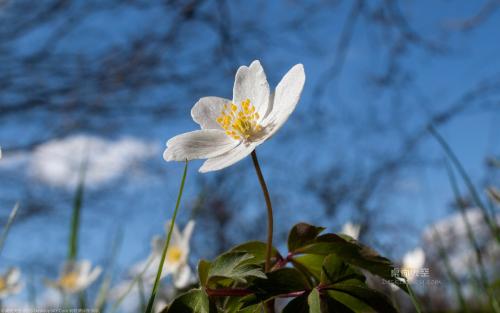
140, 202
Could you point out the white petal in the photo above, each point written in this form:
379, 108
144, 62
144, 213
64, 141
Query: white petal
93, 275
183, 277
176, 239
251, 83
200, 144
12, 276
414, 259
187, 232
227, 159
206, 111
84, 268
286, 96
157, 244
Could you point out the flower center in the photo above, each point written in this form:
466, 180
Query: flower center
3, 284
239, 122
174, 254
69, 281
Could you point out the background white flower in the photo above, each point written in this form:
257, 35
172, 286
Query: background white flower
76, 276
413, 262
176, 261
231, 130
10, 282
351, 229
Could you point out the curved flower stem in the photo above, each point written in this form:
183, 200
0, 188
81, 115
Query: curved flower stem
269, 305
269, 210
412, 296
151, 302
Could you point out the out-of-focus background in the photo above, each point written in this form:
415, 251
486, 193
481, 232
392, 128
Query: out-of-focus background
110, 81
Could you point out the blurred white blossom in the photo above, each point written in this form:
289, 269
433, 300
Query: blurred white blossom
176, 260
75, 276
10, 282
413, 262
351, 230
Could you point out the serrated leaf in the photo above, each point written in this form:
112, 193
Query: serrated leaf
203, 269
256, 248
194, 301
314, 301
233, 266
302, 234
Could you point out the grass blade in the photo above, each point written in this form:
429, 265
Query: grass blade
102, 295
491, 223
7, 226
75, 219
449, 271
149, 309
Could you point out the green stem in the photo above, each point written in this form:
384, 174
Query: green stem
6, 229
453, 278
149, 308
75, 219
413, 298
136, 279
269, 210
270, 305
490, 222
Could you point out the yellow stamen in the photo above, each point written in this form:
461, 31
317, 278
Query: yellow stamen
69, 281
3, 284
240, 122
174, 254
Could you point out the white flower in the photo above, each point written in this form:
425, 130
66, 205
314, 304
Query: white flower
413, 262
351, 229
76, 276
231, 130
176, 260
10, 282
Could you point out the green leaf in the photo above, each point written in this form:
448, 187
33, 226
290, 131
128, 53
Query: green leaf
256, 248
374, 299
349, 301
233, 266
314, 301
203, 268
330, 304
302, 234
334, 270
297, 305
258, 308
194, 301
278, 282
352, 252
234, 305
311, 263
